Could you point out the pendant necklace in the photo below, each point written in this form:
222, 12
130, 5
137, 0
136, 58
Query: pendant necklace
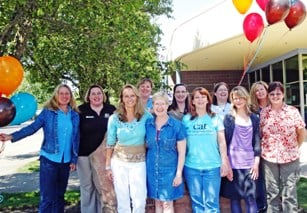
223, 108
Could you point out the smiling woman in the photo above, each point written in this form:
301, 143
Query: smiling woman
125, 159
166, 145
59, 152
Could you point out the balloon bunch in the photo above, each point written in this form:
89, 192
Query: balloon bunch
22, 106
292, 12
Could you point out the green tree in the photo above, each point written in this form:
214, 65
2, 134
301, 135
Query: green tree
109, 42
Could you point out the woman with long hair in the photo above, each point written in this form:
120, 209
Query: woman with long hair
59, 151
243, 150
180, 102
260, 100
125, 160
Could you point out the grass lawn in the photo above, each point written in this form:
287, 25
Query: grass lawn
28, 200
302, 193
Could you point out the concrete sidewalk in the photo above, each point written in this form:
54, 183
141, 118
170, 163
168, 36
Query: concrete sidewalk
17, 155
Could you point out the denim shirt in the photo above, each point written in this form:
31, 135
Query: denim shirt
229, 124
47, 120
162, 150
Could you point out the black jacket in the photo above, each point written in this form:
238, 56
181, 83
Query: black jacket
229, 124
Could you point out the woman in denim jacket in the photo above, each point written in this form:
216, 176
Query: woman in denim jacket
59, 150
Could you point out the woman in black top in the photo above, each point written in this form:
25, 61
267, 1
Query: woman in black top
97, 193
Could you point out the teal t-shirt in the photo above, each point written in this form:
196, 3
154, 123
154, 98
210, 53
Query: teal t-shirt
202, 144
126, 133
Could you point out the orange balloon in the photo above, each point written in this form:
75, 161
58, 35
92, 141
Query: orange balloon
11, 74
242, 5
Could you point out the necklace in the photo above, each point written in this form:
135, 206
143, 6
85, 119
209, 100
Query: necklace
223, 107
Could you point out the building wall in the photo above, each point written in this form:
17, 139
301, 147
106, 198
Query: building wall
207, 79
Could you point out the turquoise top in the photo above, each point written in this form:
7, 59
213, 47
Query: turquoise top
64, 130
202, 144
126, 133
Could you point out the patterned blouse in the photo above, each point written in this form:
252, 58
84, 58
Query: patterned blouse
278, 130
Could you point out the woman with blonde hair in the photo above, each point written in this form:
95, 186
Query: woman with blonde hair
125, 160
59, 151
260, 100
259, 96
243, 150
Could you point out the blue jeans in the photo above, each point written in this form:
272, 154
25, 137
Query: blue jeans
204, 188
53, 180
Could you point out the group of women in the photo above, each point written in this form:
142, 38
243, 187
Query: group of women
247, 148
263, 136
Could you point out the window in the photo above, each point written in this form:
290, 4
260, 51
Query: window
257, 75
291, 65
277, 72
251, 77
266, 74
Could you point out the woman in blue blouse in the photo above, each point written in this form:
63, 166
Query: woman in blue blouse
166, 145
59, 151
125, 159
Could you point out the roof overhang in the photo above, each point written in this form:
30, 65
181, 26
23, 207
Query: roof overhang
237, 53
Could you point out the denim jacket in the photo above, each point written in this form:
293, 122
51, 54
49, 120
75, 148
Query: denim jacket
47, 120
229, 124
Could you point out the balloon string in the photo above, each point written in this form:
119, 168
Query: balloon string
254, 57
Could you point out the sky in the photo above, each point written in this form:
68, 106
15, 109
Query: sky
182, 10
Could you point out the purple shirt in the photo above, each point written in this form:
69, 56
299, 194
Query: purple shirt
241, 153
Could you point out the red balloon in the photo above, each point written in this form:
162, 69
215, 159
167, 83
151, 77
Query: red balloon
262, 3
253, 26
296, 14
277, 10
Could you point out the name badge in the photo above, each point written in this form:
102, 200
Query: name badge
89, 116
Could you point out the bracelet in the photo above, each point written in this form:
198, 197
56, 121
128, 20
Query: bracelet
108, 167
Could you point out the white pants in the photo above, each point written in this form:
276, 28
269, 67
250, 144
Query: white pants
130, 185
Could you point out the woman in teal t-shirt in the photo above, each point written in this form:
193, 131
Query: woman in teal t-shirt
206, 159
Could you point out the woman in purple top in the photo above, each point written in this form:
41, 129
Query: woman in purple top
243, 150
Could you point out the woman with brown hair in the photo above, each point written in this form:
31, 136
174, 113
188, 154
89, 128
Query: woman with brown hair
97, 192
283, 132
206, 159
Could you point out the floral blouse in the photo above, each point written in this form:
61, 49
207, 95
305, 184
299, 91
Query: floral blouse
278, 130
